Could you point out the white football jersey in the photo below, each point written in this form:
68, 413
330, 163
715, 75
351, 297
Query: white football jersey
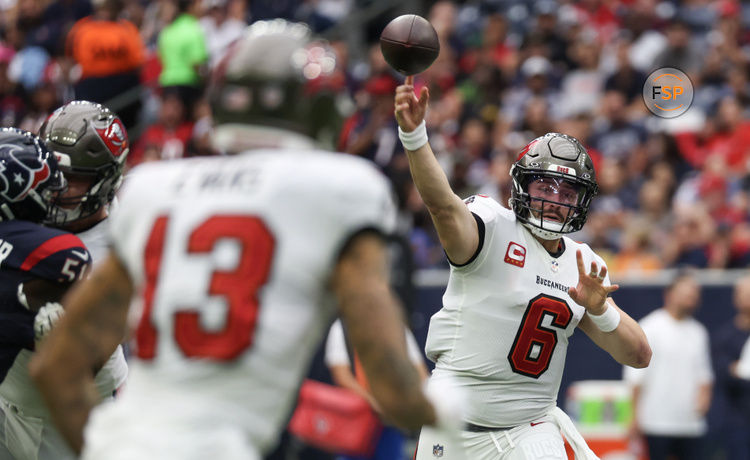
506, 318
232, 257
96, 240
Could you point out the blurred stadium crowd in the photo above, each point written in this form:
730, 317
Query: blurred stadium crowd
673, 192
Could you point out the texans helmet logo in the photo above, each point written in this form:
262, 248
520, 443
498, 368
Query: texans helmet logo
17, 178
114, 137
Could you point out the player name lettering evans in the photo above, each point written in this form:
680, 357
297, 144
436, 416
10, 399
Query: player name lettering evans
552, 284
217, 181
5, 249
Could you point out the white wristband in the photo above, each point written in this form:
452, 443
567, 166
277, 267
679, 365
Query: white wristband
607, 321
415, 139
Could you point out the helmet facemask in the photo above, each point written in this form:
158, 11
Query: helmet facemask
67, 209
560, 207
47, 195
553, 185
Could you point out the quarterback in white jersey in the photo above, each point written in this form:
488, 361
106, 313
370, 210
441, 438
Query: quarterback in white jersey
511, 301
238, 265
90, 145
518, 288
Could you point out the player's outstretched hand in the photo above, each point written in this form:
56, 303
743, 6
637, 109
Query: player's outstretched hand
590, 292
410, 109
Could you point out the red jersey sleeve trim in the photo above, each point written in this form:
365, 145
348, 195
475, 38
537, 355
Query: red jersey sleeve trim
49, 247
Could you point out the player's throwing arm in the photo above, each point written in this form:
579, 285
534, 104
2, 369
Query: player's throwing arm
455, 225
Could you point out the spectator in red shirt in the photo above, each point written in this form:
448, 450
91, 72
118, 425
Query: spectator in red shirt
367, 133
493, 49
166, 139
728, 136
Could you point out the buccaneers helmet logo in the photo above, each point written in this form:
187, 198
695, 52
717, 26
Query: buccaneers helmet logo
114, 137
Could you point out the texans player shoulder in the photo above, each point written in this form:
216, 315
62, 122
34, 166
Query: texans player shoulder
30, 251
37, 263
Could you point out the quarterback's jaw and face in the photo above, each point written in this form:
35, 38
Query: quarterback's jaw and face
552, 199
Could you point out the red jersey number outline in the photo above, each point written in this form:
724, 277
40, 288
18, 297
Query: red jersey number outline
531, 333
239, 286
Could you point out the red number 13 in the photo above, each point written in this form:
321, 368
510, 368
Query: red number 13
239, 287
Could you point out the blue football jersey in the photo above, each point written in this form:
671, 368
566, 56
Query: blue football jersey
30, 251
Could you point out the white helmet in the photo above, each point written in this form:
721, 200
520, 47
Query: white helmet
270, 78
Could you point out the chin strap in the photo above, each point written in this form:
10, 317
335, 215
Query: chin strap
542, 233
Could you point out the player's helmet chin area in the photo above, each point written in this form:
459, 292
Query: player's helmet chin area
274, 82
91, 144
30, 178
553, 184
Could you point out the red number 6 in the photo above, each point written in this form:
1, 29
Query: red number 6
533, 346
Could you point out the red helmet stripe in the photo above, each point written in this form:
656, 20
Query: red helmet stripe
527, 148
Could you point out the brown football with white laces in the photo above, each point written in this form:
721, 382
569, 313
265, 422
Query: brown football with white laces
409, 44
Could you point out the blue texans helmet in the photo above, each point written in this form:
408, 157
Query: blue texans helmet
30, 178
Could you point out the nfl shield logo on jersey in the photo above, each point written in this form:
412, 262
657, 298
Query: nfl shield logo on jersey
437, 450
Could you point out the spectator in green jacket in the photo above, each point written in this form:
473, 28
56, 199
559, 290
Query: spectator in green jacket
182, 49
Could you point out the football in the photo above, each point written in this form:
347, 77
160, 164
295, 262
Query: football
409, 44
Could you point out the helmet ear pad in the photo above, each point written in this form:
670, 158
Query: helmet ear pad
559, 157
